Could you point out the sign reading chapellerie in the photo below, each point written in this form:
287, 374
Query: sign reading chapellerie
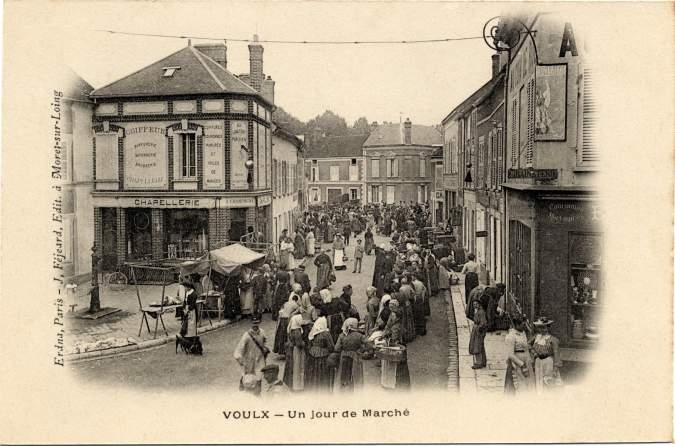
214, 173
238, 157
145, 157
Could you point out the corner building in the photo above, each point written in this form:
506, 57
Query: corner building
171, 142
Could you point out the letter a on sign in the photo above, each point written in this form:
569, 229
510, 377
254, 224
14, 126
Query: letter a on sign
568, 43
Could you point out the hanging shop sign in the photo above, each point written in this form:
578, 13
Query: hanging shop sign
265, 200
537, 174
481, 233
214, 155
145, 157
238, 156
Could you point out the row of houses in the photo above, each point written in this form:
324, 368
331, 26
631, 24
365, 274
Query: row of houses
393, 163
176, 158
511, 169
519, 161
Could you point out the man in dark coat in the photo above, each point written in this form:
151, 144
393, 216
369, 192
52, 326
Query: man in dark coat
301, 277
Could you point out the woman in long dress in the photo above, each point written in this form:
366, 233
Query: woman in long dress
324, 269
246, 291
519, 371
338, 253
309, 240
319, 375
300, 247
372, 308
282, 289
369, 241
395, 374
547, 362
477, 340
288, 310
470, 271
294, 370
350, 344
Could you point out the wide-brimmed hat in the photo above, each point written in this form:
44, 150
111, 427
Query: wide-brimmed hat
543, 321
270, 368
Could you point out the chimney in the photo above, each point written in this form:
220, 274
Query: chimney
407, 131
256, 63
268, 89
495, 65
216, 51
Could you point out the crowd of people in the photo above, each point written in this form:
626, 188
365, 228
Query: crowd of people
533, 360
321, 336
323, 339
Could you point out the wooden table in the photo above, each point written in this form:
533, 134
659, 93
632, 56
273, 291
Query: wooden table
159, 311
213, 294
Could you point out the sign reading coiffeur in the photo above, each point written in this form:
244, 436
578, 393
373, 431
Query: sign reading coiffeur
145, 157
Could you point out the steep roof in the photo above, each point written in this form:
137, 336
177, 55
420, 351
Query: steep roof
392, 135
287, 135
198, 74
476, 98
336, 147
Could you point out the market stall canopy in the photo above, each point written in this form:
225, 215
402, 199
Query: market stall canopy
227, 260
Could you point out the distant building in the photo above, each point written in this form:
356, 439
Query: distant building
287, 165
77, 177
172, 141
398, 162
334, 166
437, 191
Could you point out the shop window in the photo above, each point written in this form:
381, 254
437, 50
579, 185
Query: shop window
188, 155
139, 234
186, 232
585, 282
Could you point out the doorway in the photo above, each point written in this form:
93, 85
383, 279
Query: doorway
237, 223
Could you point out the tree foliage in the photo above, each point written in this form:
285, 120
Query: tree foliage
328, 123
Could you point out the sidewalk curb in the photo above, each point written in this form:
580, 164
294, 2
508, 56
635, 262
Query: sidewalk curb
467, 375
453, 345
117, 351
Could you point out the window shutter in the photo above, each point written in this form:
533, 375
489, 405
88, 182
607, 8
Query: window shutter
589, 149
514, 133
500, 157
529, 154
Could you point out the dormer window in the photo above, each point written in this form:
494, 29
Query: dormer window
169, 71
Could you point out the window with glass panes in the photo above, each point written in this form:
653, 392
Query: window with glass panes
188, 155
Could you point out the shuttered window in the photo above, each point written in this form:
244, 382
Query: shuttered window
529, 151
500, 157
589, 151
514, 133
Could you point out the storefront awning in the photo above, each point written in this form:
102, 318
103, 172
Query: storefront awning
227, 260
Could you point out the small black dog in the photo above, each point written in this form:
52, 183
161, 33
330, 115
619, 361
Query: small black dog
190, 345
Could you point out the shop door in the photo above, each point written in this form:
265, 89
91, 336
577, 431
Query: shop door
334, 195
108, 251
237, 223
519, 265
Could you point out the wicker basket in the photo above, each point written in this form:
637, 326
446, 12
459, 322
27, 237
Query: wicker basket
393, 354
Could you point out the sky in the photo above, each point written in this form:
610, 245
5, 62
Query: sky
382, 82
